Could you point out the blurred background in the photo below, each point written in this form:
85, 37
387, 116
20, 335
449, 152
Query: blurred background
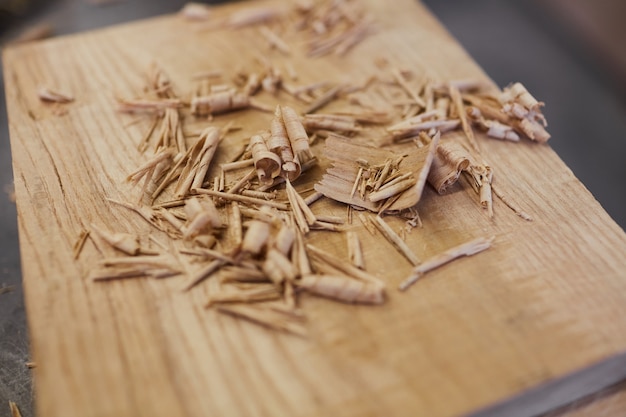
569, 53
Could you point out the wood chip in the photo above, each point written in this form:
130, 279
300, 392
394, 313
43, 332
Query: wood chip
339, 181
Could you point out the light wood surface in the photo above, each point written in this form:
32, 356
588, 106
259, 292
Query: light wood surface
547, 299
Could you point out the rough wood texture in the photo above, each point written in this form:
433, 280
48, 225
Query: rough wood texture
549, 298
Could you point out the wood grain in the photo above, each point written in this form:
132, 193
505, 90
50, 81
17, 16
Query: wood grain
549, 298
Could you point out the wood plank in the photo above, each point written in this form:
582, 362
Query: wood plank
548, 299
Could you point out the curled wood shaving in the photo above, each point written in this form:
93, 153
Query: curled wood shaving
267, 164
343, 288
450, 160
219, 102
296, 132
280, 144
333, 122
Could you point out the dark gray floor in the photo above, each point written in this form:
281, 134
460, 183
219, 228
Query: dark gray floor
512, 40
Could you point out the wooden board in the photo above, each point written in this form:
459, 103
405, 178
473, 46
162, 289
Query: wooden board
548, 299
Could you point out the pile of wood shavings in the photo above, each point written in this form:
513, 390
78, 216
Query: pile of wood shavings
246, 221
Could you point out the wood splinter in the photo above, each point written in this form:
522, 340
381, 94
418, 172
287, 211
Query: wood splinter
466, 249
395, 240
15, 412
265, 317
51, 96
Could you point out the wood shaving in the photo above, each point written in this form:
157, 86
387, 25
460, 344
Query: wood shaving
343, 289
450, 160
